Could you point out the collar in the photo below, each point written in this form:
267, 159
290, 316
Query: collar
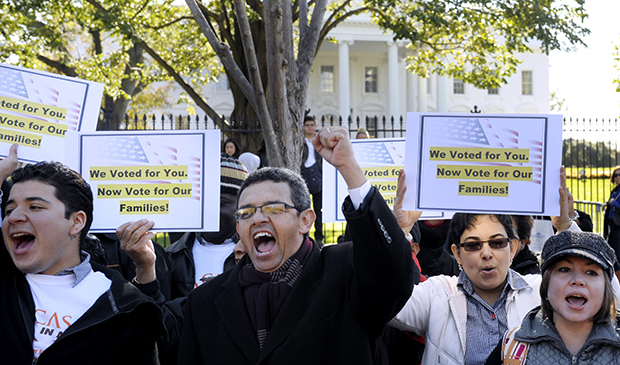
80, 270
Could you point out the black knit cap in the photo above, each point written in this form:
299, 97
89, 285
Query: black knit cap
232, 174
582, 244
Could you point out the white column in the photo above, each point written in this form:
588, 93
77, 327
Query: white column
344, 93
412, 86
393, 95
422, 107
442, 94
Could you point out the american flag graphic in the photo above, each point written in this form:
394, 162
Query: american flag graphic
15, 83
475, 132
373, 152
120, 148
133, 150
12, 83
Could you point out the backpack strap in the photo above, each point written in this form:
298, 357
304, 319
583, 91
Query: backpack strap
514, 352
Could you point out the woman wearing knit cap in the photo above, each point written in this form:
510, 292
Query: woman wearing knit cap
576, 322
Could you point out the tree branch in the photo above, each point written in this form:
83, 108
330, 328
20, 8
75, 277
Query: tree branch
186, 87
168, 24
69, 71
253, 69
308, 41
223, 52
327, 27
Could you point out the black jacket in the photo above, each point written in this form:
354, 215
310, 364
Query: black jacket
120, 328
335, 313
182, 269
118, 260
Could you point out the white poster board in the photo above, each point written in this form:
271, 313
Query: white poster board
381, 161
172, 178
484, 163
38, 109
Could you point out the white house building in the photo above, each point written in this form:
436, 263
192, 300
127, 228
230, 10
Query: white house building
362, 74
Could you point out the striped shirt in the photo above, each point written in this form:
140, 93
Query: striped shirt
486, 324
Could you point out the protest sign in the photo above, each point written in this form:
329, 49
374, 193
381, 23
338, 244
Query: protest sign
172, 178
37, 109
484, 163
381, 161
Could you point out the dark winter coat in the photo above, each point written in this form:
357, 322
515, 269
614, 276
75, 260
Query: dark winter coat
335, 313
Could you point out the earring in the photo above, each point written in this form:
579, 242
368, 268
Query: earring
460, 266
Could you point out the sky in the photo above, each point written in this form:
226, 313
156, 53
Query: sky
585, 78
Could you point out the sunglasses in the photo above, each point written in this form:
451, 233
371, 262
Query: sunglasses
267, 209
495, 243
616, 175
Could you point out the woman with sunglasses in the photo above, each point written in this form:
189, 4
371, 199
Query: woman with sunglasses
463, 317
611, 231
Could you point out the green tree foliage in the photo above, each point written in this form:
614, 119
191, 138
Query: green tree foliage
267, 47
127, 45
477, 40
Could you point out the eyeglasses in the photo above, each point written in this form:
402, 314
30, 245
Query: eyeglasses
616, 175
267, 209
495, 243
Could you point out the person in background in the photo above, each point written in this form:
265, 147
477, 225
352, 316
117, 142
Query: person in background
197, 256
250, 160
362, 133
576, 322
611, 230
312, 172
525, 262
231, 147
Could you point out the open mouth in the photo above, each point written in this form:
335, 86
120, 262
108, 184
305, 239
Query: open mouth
23, 241
488, 270
576, 300
264, 243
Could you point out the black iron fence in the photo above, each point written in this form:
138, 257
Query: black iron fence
590, 147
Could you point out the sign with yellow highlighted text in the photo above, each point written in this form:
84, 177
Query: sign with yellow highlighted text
381, 161
484, 163
37, 109
172, 177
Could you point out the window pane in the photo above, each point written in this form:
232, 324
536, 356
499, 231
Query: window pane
458, 87
370, 79
327, 79
222, 84
527, 83
494, 91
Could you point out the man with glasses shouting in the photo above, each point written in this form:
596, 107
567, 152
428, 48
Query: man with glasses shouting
288, 300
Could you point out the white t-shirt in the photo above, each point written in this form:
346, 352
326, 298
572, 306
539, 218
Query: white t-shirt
58, 304
209, 259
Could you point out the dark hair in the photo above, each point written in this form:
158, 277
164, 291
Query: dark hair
606, 314
310, 117
463, 221
234, 142
523, 226
611, 177
70, 189
300, 195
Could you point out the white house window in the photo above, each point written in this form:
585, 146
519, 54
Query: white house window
527, 83
222, 84
493, 91
327, 79
370, 79
458, 87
